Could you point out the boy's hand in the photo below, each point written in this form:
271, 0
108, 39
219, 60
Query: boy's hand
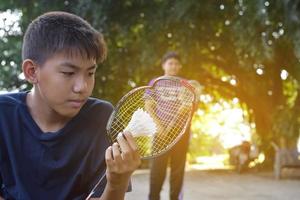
122, 159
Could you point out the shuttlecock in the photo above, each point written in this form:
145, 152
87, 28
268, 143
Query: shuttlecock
141, 124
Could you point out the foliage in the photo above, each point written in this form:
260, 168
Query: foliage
234, 48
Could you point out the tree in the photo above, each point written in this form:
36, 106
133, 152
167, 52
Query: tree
235, 48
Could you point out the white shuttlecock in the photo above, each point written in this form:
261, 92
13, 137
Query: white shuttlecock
141, 124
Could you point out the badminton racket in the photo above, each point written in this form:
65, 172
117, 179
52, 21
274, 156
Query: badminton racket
156, 115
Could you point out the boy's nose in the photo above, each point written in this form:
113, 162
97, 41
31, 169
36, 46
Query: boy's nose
80, 86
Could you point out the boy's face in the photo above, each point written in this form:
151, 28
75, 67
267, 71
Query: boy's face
171, 67
64, 83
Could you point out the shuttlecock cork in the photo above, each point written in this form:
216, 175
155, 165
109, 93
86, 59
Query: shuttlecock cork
141, 124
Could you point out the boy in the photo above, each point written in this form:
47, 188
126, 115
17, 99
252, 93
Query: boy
177, 154
53, 143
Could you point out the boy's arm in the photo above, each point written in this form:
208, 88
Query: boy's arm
122, 159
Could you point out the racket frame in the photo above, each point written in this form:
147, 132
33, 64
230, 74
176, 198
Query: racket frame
123, 99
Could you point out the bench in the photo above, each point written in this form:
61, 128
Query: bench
285, 158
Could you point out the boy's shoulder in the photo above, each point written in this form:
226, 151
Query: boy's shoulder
98, 102
97, 105
12, 99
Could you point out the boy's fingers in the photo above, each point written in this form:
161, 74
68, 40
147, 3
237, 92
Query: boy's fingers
132, 144
116, 153
125, 148
130, 140
108, 156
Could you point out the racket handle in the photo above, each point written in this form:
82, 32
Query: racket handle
94, 188
91, 193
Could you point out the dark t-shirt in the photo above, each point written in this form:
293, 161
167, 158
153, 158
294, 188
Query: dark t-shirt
59, 165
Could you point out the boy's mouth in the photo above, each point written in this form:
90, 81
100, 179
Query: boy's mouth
76, 103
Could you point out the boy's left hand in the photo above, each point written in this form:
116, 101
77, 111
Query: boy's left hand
122, 159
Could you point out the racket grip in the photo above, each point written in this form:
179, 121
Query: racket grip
88, 197
94, 188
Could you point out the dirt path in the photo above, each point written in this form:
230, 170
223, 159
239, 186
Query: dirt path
210, 185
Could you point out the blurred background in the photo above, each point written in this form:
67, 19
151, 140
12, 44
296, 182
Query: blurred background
244, 53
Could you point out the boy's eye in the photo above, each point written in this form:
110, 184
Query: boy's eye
67, 73
91, 72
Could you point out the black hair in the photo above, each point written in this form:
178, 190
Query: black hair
170, 54
56, 32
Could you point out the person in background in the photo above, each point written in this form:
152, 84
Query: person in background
171, 65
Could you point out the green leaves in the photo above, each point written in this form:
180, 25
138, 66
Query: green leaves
247, 42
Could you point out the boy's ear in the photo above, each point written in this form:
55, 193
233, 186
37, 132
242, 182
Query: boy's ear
30, 71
